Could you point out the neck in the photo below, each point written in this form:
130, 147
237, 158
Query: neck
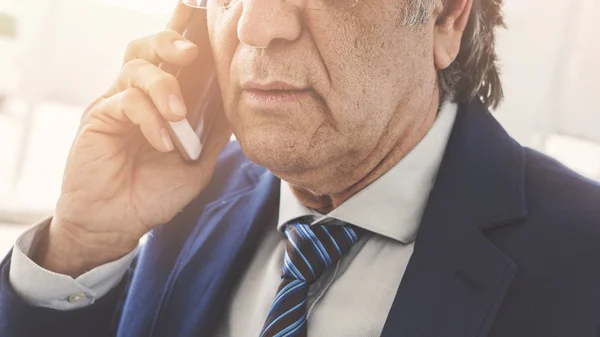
384, 157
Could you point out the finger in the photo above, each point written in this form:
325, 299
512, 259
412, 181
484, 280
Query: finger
162, 88
132, 107
181, 16
166, 46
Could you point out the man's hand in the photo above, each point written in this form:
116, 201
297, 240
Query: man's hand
122, 176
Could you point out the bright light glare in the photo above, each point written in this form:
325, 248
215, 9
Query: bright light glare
150, 6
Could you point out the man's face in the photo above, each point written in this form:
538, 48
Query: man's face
360, 78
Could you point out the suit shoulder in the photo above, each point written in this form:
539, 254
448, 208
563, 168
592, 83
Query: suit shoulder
545, 174
561, 196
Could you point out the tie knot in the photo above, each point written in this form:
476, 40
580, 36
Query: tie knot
311, 250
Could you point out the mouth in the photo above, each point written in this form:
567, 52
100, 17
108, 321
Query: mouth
274, 97
273, 93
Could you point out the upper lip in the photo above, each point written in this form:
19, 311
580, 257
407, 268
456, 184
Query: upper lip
273, 85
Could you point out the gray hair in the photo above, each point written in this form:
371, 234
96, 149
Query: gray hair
474, 73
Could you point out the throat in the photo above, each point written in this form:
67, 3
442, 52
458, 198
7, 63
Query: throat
376, 165
319, 203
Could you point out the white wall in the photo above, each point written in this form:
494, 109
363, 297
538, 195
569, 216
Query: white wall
578, 108
550, 69
82, 45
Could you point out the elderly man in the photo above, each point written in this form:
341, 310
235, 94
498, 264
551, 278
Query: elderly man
371, 192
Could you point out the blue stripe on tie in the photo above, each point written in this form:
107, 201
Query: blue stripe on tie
349, 234
288, 286
319, 244
281, 292
287, 262
282, 315
304, 246
294, 327
291, 238
279, 299
288, 268
307, 238
353, 233
315, 245
332, 240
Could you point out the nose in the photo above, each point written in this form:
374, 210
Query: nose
264, 21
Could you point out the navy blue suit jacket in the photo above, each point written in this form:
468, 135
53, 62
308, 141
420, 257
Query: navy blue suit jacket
509, 245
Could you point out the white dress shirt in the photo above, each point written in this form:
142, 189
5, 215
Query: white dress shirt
390, 209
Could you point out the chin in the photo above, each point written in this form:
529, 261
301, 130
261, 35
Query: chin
279, 151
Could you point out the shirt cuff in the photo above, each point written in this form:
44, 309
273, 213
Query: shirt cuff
43, 288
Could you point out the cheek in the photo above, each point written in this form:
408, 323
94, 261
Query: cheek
222, 32
374, 65
362, 97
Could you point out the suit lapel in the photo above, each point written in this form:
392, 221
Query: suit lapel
215, 257
456, 279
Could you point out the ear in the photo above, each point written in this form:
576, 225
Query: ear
449, 28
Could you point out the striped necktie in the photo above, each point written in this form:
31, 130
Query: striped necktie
310, 250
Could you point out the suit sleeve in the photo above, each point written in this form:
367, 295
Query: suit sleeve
20, 318
44, 288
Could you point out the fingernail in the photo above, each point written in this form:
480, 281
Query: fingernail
166, 140
177, 106
183, 44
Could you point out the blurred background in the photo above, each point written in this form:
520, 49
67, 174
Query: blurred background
56, 56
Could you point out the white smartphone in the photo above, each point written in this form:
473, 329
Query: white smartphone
200, 90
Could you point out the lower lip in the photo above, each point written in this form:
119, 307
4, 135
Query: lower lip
261, 97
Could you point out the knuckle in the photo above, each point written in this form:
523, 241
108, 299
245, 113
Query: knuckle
132, 65
95, 108
98, 110
159, 39
136, 45
135, 102
130, 96
132, 48
167, 35
164, 81
132, 45
150, 122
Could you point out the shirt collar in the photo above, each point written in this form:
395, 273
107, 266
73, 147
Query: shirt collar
392, 205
